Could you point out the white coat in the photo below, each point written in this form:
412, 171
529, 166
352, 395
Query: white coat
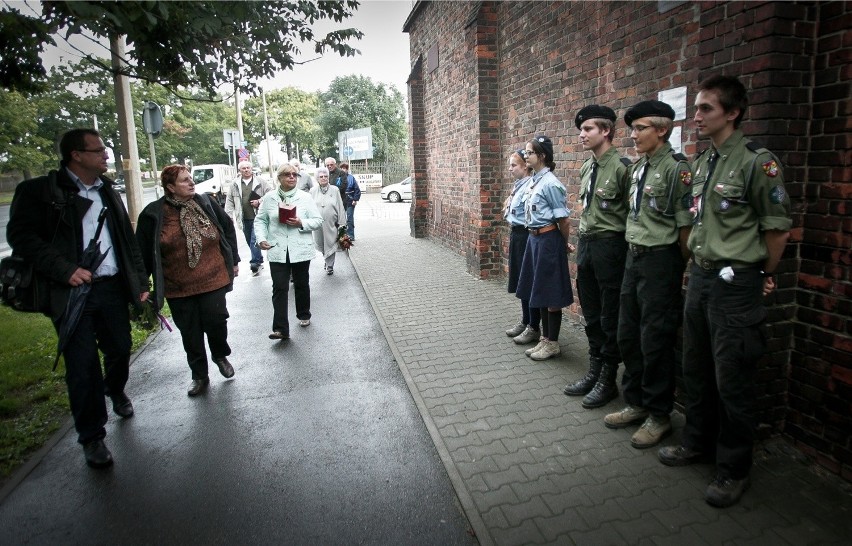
298, 241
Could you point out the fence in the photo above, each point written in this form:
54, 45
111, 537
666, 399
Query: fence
391, 173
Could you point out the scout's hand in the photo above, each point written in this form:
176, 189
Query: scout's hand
768, 285
569, 248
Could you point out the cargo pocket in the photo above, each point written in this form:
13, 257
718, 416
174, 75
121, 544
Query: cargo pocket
747, 326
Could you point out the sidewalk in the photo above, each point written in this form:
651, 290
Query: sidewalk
530, 465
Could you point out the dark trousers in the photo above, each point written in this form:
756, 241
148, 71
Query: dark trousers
647, 327
600, 272
350, 221
105, 325
248, 231
722, 342
197, 316
280, 290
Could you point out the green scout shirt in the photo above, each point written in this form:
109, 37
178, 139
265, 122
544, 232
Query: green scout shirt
745, 196
608, 208
665, 198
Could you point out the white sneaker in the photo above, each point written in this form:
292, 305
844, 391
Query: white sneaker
526, 337
531, 350
516, 330
549, 349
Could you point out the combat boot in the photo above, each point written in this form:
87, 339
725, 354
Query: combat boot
585, 384
605, 389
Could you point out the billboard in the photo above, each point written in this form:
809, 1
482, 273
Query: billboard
355, 144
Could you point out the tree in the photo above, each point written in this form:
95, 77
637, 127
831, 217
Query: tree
22, 148
291, 114
176, 44
354, 102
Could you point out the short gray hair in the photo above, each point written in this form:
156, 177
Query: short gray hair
242, 164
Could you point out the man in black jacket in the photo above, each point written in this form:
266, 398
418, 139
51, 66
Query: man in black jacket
51, 220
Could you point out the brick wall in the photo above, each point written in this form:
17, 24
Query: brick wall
540, 62
820, 390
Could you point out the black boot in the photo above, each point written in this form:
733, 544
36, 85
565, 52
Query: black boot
605, 389
585, 384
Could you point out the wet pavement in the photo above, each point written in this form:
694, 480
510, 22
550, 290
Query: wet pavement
337, 436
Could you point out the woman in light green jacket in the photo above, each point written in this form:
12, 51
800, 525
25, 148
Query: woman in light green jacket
289, 246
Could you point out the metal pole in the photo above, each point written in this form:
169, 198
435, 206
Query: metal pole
266, 133
154, 165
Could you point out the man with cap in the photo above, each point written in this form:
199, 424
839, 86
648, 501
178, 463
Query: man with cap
658, 225
742, 223
604, 187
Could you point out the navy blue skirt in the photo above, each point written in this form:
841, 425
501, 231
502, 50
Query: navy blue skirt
544, 279
517, 246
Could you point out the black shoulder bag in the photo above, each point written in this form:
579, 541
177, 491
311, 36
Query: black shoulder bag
21, 287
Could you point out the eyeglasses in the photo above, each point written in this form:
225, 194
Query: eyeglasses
527, 153
330, 165
640, 128
288, 175
95, 151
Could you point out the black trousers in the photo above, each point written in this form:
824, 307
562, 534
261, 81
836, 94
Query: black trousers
651, 307
722, 342
281, 288
105, 325
600, 272
197, 316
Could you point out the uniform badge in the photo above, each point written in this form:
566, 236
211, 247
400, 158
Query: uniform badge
720, 188
685, 178
653, 203
777, 194
657, 175
648, 189
770, 168
724, 205
604, 204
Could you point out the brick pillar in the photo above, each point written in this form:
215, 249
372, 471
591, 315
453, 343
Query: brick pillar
419, 214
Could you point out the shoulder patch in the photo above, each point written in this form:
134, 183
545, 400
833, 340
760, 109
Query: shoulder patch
686, 177
626, 162
770, 168
679, 156
776, 194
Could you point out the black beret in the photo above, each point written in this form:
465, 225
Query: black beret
648, 108
546, 145
594, 112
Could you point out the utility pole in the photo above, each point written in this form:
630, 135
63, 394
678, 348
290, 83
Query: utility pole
266, 133
126, 129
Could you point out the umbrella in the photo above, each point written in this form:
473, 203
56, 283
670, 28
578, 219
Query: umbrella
91, 260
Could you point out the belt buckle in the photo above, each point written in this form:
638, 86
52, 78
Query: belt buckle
706, 265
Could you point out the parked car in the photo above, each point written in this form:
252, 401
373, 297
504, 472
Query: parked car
398, 192
118, 184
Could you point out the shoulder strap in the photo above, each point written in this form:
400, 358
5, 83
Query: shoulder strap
680, 158
626, 162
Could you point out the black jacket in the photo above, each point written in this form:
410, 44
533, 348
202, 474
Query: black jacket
45, 227
150, 225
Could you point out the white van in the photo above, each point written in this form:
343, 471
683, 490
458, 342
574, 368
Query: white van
214, 179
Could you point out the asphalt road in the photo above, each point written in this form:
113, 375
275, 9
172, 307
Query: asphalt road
316, 440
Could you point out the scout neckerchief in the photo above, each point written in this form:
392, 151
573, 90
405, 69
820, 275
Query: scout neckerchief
591, 189
640, 185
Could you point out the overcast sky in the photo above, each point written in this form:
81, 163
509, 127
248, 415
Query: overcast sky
384, 49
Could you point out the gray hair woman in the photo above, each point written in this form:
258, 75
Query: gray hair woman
328, 200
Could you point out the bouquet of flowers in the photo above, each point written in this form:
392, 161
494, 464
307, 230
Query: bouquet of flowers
343, 240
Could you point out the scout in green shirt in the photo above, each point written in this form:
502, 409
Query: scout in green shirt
744, 199
601, 252
657, 229
742, 218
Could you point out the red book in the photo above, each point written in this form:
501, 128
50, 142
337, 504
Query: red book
286, 212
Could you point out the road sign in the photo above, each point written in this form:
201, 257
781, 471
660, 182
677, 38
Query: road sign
152, 119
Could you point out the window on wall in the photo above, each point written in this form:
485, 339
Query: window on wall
432, 58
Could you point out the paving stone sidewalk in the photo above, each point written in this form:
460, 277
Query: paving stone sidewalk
530, 465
